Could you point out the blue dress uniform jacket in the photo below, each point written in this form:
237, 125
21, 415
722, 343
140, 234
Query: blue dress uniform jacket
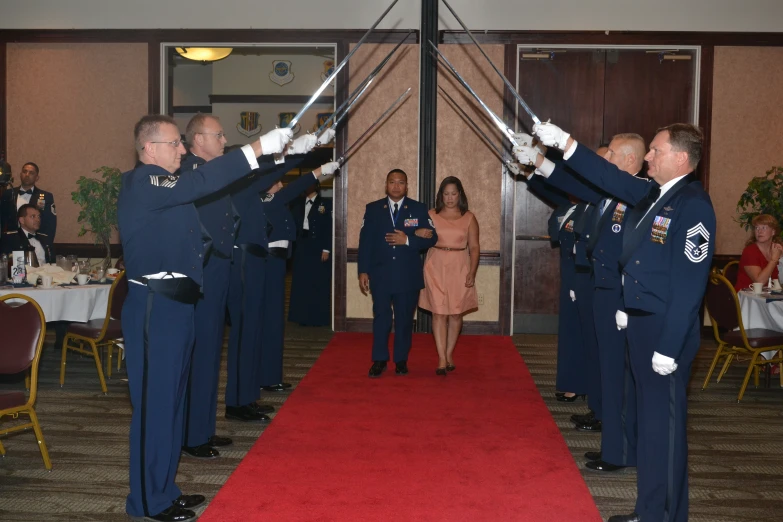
41, 199
160, 232
311, 278
396, 273
618, 393
219, 223
666, 261
270, 368
246, 292
17, 240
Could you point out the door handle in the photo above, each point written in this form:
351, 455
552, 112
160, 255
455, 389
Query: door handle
533, 238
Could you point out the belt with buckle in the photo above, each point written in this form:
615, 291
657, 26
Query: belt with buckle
451, 249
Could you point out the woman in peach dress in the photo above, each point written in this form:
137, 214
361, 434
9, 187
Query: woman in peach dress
450, 269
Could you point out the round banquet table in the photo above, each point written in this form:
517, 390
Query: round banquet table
68, 303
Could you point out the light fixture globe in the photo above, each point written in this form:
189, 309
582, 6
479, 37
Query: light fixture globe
204, 54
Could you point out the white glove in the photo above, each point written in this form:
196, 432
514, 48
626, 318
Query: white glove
302, 144
525, 154
663, 365
621, 318
572, 294
326, 136
551, 135
328, 169
274, 141
523, 139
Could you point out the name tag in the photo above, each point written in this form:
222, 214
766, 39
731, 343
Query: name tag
411, 223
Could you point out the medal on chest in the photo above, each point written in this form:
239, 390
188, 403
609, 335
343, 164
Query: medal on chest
569, 226
619, 213
660, 229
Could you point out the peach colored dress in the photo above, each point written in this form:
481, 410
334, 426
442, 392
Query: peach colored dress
445, 270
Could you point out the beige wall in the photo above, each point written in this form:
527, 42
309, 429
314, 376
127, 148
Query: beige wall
71, 109
747, 126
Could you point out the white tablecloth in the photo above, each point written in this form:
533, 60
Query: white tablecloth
71, 303
758, 313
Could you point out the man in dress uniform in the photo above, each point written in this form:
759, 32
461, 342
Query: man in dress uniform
618, 440
164, 252
27, 236
281, 242
665, 262
390, 267
14, 198
246, 292
311, 274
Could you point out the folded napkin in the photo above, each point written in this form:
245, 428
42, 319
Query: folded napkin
59, 276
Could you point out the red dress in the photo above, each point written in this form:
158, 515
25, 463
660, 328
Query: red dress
751, 256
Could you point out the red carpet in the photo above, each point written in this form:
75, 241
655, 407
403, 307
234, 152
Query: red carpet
478, 444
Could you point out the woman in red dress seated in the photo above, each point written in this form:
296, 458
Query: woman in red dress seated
760, 257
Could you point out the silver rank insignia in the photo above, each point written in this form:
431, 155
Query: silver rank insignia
697, 243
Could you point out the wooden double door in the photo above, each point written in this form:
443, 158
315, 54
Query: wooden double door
593, 94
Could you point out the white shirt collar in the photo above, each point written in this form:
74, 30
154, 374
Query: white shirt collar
311, 200
399, 203
27, 232
669, 184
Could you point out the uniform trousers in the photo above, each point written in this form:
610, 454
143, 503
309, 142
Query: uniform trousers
571, 356
311, 285
245, 300
270, 366
404, 304
201, 398
618, 390
158, 336
662, 456
584, 289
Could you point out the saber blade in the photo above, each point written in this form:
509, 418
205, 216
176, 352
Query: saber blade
342, 159
337, 69
521, 101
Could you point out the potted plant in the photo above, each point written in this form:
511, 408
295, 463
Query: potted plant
98, 201
763, 196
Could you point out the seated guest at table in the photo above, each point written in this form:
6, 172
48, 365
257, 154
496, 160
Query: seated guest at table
27, 235
762, 252
450, 268
28, 192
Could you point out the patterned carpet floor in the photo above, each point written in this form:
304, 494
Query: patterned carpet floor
736, 471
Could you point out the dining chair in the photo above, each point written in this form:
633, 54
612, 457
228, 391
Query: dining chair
87, 338
730, 271
733, 338
24, 329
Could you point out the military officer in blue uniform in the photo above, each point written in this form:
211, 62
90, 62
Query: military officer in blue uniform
665, 262
247, 283
618, 440
311, 273
28, 192
164, 250
27, 236
393, 236
281, 243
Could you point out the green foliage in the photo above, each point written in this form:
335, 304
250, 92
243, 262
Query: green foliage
763, 196
98, 201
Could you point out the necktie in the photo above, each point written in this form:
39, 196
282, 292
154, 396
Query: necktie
394, 213
603, 206
32, 236
309, 202
649, 200
26, 192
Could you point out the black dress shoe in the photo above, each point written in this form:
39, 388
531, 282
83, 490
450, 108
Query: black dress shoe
216, 441
600, 465
450, 367
573, 398
440, 371
594, 426
283, 386
190, 501
262, 408
583, 419
173, 514
633, 517
593, 455
377, 368
246, 413
402, 368
203, 451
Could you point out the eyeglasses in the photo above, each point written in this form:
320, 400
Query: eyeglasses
218, 135
175, 143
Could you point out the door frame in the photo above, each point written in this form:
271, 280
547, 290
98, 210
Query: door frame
509, 255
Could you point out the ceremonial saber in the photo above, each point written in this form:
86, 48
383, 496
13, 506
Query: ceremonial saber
474, 125
505, 80
353, 97
337, 69
342, 159
507, 132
